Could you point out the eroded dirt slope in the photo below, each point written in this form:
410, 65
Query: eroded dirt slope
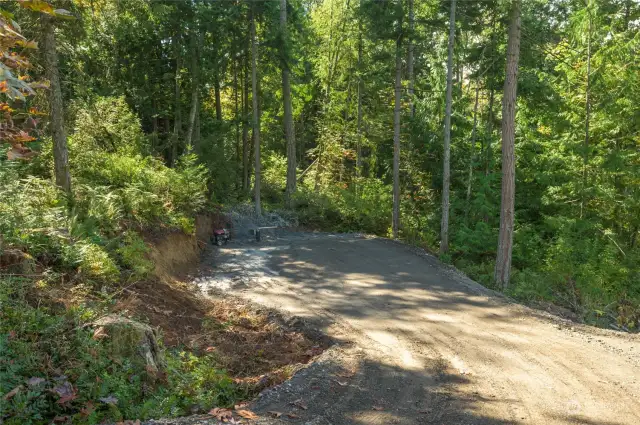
427, 344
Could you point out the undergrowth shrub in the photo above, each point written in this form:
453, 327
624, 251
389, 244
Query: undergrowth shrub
107, 124
56, 372
50, 364
274, 178
118, 190
344, 210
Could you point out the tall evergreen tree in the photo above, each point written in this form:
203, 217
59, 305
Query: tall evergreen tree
289, 131
507, 210
446, 174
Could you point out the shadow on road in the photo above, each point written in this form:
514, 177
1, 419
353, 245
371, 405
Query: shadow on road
429, 345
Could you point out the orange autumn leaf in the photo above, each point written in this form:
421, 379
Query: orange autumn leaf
247, 414
221, 414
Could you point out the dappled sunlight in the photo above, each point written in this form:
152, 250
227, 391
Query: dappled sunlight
448, 336
438, 317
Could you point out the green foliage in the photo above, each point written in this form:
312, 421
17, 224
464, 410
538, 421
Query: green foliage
32, 217
107, 124
341, 209
133, 254
92, 262
115, 192
94, 240
274, 177
46, 352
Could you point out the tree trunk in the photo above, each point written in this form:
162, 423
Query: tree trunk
236, 113
216, 89
60, 151
256, 112
490, 118
195, 72
245, 125
410, 59
395, 222
505, 238
446, 173
177, 119
196, 131
585, 160
168, 138
289, 131
473, 143
154, 130
360, 89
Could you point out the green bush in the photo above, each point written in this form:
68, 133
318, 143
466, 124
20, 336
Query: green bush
133, 254
117, 190
341, 209
93, 263
586, 266
107, 124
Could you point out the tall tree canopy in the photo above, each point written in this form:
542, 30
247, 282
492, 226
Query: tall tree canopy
385, 117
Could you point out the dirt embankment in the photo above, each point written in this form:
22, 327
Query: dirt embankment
257, 346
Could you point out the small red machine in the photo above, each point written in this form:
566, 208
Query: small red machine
221, 236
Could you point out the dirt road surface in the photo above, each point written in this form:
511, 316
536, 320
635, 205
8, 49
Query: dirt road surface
422, 344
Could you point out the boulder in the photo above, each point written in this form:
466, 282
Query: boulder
13, 261
127, 338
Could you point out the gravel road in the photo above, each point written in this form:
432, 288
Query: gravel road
422, 344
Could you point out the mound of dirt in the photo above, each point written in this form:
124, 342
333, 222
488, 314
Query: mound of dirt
244, 218
256, 346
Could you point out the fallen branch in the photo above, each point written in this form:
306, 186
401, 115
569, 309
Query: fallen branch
308, 168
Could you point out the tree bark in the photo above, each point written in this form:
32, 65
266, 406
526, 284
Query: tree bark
154, 129
196, 131
195, 81
585, 160
410, 59
59, 136
507, 205
216, 89
446, 172
490, 118
236, 112
360, 89
395, 222
473, 143
177, 113
245, 125
289, 131
256, 112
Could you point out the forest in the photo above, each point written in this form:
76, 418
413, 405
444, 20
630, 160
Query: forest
501, 135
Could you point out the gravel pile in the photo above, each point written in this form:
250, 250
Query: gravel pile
244, 218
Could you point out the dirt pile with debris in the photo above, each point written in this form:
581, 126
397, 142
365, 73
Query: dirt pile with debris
256, 346
244, 219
